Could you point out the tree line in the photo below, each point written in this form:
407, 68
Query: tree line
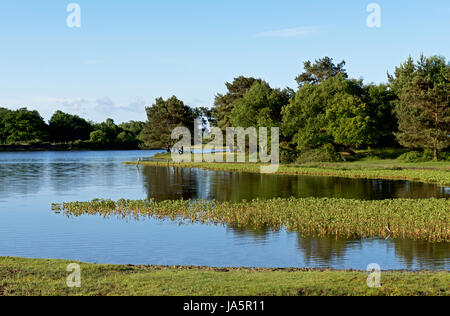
25, 127
328, 112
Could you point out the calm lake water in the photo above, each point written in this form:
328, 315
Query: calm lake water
30, 182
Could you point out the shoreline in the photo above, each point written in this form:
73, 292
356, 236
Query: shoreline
438, 176
47, 277
221, 269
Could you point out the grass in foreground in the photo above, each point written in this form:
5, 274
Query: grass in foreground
424, 219
430, 172
48, 277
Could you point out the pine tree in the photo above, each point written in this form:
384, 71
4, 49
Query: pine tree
224, 103
423, 108
163, 117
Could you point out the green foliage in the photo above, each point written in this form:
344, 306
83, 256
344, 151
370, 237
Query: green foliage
135, 128
66, 128
109, 129
385, 153
43, 277
424, 219
98, 137
224, 103
3, 133
66, 131
288, 154
426, 155
163, 117
320, 71
383, 123
259, 107
332, 112
22, 126
324, 154
423, 109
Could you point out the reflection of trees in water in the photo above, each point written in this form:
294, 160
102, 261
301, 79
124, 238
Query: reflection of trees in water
418, 190
21, 178
67, 176
326, 251
260, 235
421, 253
239, 186
168, 183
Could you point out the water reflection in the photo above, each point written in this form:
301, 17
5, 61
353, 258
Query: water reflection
169, 182
337, 252
421, 254
21, 179
30, 182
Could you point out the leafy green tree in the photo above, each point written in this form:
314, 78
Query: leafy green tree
3, 132
380, 100
110, 129
259, 107
23, 126
127, 138
331, 112
99, 137
66, 128
224, 103
423, 108
134, 127
163, 116
321, 70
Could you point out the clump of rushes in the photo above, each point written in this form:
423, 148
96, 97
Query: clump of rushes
421, 219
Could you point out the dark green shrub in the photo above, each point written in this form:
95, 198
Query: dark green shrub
324, 154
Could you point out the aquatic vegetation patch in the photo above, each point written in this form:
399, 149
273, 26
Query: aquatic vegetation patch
422, 219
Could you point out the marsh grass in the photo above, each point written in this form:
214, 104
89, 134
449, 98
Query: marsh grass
418, 219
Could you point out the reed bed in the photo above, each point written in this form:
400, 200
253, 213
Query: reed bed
434, 176
421, 219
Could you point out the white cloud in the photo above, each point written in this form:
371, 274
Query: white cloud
291, 32
91, 109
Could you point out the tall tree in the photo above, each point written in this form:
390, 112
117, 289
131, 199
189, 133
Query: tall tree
23, 126
224, 103
3, 133
332, 112
163, 116
321, 70
259, 107
66, 127
380, 100
423, 108
110, 129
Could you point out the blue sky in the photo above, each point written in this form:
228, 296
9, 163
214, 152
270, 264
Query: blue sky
127, 53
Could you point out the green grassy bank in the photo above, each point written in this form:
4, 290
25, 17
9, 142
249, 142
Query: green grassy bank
48, 277
420, 219
428, 172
